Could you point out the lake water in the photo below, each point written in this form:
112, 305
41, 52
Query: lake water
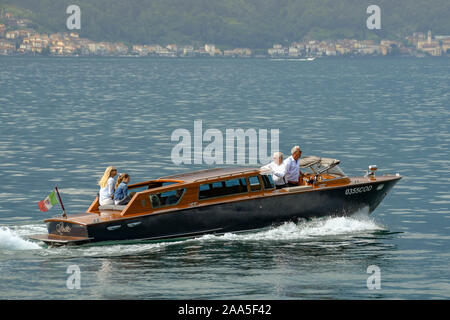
63, 120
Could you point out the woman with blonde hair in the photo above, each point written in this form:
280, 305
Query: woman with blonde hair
106, 184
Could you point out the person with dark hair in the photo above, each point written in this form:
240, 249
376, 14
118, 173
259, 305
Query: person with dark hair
121, 196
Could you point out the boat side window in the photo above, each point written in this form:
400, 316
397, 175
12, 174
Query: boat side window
222, 188
217, 185
168, 198
268, 182
168, 183
254, 183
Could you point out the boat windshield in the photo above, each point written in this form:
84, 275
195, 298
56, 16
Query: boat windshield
319, 165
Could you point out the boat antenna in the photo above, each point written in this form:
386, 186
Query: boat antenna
61, 203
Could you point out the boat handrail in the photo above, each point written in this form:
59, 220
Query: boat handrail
297, 188
112, 207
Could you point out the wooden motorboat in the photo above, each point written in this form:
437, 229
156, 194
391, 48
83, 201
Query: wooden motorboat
217, 201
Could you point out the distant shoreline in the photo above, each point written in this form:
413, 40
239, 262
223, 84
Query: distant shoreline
357, 57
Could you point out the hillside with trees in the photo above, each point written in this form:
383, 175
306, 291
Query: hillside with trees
235, 23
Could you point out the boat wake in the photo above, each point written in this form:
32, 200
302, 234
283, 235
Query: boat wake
320, 228
11, 240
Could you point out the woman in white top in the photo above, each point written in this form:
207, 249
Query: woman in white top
277, 169
106, 184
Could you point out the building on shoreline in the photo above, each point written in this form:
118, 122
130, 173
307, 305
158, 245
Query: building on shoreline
238, 52
7, 47
429, 46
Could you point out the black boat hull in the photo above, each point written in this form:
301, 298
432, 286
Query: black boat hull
234, 216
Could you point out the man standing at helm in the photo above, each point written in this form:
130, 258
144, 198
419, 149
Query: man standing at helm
292, 165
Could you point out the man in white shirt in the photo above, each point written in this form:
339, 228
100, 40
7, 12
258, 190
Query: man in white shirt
277, 169
292, 165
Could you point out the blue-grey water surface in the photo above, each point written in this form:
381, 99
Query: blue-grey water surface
63, 120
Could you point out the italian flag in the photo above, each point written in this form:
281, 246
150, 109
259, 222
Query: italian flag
48, 202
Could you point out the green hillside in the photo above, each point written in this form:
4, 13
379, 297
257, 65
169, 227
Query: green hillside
237, 23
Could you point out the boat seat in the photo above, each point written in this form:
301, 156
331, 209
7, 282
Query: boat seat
298, 188
111, 207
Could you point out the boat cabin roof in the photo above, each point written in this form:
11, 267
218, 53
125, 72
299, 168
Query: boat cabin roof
210, 174
196, 176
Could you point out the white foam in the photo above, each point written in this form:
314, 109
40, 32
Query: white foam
10, 240
110, 250
312, 229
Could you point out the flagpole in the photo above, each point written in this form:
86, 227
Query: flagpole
61, 203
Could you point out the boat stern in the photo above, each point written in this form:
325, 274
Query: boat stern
57, 240
63, 232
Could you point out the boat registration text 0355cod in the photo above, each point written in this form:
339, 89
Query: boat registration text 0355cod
358, 190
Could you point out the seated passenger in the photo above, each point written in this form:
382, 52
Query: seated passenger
154, 199
278, 170
106, 184
121, 196
173, 199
